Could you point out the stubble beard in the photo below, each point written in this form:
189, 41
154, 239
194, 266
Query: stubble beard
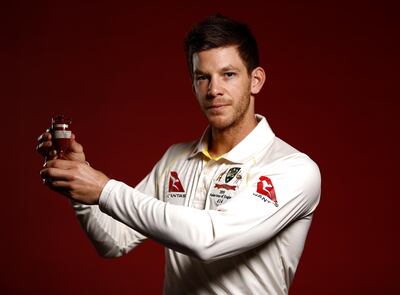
237, 117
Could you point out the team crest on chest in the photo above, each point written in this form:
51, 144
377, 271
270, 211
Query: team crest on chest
231, 173
225, 185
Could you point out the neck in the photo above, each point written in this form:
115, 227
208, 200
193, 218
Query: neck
223, 140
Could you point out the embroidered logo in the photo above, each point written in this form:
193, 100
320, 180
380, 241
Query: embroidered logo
231, 174
175, 184
220, 176
225, 186
265, 188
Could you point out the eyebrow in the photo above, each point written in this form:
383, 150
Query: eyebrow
224, 69
198, 72
230, 68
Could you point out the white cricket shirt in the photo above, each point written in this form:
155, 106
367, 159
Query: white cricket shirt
232, 225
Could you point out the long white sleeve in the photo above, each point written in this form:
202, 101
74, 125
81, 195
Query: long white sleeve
236, 226
110, 237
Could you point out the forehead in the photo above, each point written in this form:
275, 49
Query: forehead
217, 58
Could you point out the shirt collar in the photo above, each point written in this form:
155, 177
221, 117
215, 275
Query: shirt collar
259, 138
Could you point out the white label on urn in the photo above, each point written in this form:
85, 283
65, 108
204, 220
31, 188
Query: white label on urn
62, 134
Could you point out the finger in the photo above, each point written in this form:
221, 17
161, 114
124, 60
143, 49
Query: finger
52, 174
52, 155
60, 184
61, 164
44, 136
44, 147
75, 146
47, 152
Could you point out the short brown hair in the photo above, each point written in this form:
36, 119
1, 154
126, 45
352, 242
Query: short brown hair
219, 31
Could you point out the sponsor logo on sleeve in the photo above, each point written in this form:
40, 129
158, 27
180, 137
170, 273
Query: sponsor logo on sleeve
265, 190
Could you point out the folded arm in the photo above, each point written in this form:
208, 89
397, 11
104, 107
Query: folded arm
237, 226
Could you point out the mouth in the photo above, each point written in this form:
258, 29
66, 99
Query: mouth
216, 106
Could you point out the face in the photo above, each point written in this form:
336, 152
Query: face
223, 87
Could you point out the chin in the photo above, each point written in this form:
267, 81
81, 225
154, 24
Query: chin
219, 122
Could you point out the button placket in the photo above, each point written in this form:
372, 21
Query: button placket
217, 169
200, 193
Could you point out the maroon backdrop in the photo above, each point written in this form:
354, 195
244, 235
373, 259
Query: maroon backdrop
119, 71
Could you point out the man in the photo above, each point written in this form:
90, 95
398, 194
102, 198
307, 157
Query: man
232, 209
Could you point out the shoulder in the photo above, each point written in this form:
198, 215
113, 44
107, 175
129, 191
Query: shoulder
280, 153
293, 174
293, 164
178, 152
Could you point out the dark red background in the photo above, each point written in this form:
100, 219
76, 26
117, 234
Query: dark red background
119, 71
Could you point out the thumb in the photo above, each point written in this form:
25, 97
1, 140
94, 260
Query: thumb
75, 146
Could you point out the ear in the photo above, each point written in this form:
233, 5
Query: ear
257, 80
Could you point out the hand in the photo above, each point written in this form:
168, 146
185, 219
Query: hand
74, 179
46, 149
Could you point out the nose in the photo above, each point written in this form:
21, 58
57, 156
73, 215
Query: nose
214, 88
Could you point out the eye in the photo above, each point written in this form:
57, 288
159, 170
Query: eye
201, 78
230, 74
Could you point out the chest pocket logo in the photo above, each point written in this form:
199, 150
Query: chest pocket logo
231, 173
225, 185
